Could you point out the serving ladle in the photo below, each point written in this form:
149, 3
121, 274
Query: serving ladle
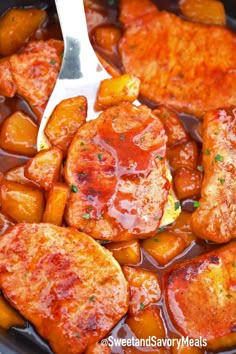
81, 71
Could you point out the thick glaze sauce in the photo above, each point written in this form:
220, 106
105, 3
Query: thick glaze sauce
193, 127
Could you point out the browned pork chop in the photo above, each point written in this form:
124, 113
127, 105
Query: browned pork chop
64, 282
201, 297
117, 172
189, 66
215, 218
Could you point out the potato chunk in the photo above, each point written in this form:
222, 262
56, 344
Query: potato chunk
205, 11
183, 155
45, 167
56, 203
105, 38
8, 316
19, 134
66, 118
115, 90
147, 323
125, 252
16, 26
164, 246
144, 288
17, 174
187, 183
22, 203
201, 297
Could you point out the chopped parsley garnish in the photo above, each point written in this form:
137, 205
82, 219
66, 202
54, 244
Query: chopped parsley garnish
91, 299
196, 204
200, 168
77, 335
82, 143
99, 157
82, 174
156, 239
111, 2
159, 157
161, 229
177, 205
216, 133
122, 136
207, 152
219, 158
142, 306
142, 140
73, 188
132, 46
114, 118
90, 207
86, 216
52, 62
222, 180
234, 264
81, 108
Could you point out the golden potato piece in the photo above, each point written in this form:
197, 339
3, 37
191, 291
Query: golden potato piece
8, 316
125, 252
56, 203
66, 118
211, 12
45, 167
117, 89
19, 134
17, 174
22, 203
16, 26
144, 288
164, 246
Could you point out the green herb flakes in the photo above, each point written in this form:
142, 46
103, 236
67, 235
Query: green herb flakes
99, 157
219, 158
177, 205
159, 157
52, 62
86, 216
200, 168
207, 152
91, 299
196, 204
73, 188
221, 180
122, 136
142, 306
156, 239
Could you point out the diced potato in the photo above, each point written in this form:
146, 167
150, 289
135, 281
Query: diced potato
44, 168
183, 155
98, 348
56, 203
164, 247
19, 134
183, 349
204, 11
125, 252
5, 222
182, 228
95, 14
7, 84
16, 26
173, 126
147, 323
22, 203
105, 39
66, 118
113, 71
115, 90
144, 288
8, 316
17, 174
187, 183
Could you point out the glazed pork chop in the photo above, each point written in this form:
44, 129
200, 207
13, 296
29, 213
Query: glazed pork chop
116, 168
64, 282
215, 218
188, 66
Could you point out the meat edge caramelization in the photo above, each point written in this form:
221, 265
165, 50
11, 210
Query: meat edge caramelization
70, 287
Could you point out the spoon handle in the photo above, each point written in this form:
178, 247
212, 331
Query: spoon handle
79, 59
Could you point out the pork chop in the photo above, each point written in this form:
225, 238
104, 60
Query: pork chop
64, 282
215, 218
116, 168
188, 66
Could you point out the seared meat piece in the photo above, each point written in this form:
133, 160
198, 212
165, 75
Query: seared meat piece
215, 218
188, 66
32, 74
201, 297
117, 170
64, 282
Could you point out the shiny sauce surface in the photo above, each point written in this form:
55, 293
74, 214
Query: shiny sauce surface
7, 161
